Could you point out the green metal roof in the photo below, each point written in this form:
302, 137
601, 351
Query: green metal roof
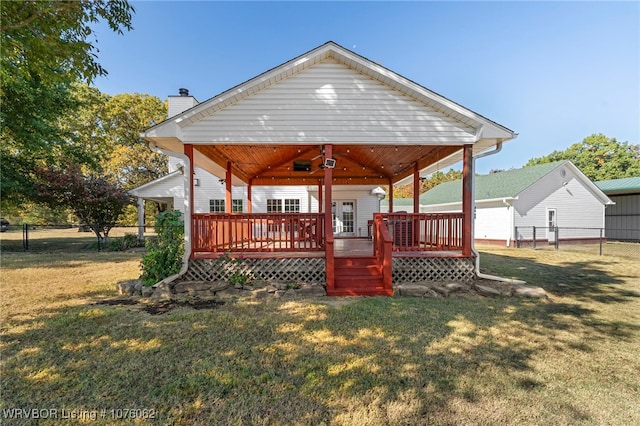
496, 185
620, 186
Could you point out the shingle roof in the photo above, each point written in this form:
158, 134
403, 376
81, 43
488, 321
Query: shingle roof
496, 185
620, 186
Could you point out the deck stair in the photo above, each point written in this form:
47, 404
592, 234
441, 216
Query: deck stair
358, 276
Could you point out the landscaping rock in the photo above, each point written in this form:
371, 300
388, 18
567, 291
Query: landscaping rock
312, 290
200, 288
528, 291
270, 289
127, 288
441, 290
261, 293
431, 293
487, 291
138, 287
412, 290
146, 291
279, 293
454, 287
280, 286
289, 293
161, 292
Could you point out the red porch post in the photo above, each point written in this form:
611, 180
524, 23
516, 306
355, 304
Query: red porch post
188, 151
328, 225
227, 202
416, 188
249, 205
319, 195
390, 195
467, 200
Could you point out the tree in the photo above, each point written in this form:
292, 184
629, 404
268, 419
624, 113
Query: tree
599, 158
97, 201
130, 160
45, 48
433, 180
49, 39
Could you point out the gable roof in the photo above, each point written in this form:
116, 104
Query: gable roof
328, 95
620, 186
331, 50
149, 187
507, 184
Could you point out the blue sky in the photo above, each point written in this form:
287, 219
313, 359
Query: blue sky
554, 72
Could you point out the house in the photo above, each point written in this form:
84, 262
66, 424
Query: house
326, 119
622, 220
555, 199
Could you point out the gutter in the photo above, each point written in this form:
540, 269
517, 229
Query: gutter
473, 207
187, 214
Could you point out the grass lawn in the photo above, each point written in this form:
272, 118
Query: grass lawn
571, 359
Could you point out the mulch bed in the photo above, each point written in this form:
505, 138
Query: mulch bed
162, 307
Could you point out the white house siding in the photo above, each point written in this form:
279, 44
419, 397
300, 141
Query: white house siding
329, 103
622, 220
366, 204
260, 195
576, 207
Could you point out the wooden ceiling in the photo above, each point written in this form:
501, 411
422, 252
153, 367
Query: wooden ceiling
355, 164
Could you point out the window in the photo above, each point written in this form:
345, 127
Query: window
274, 206
236, 206
216, 206
292, 206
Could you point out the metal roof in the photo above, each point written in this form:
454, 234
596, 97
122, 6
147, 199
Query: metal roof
507, 184
620, 186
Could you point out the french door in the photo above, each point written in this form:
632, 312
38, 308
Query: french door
343, 213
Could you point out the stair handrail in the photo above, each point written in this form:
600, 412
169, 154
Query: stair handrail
383, 247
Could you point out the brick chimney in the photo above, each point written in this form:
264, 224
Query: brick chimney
181, 102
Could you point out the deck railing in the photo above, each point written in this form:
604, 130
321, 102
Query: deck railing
257, 232
425, 231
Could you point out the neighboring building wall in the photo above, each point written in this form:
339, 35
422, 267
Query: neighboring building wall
575, 205
493, 223
622, 221
492, 220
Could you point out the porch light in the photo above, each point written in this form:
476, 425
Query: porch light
330, 163
378, 192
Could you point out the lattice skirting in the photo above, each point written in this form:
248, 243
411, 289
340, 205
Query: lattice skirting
310, 270
433, 269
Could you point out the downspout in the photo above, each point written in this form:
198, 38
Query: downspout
187, 214
473, 223
510, 209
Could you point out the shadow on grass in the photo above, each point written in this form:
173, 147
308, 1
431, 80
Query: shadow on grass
68, 259
592, 280
364, 360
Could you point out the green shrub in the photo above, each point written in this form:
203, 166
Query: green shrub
164, 253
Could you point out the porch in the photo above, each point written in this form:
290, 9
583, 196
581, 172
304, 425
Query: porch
404, 247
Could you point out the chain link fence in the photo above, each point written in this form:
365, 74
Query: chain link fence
69, 238
591, 240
